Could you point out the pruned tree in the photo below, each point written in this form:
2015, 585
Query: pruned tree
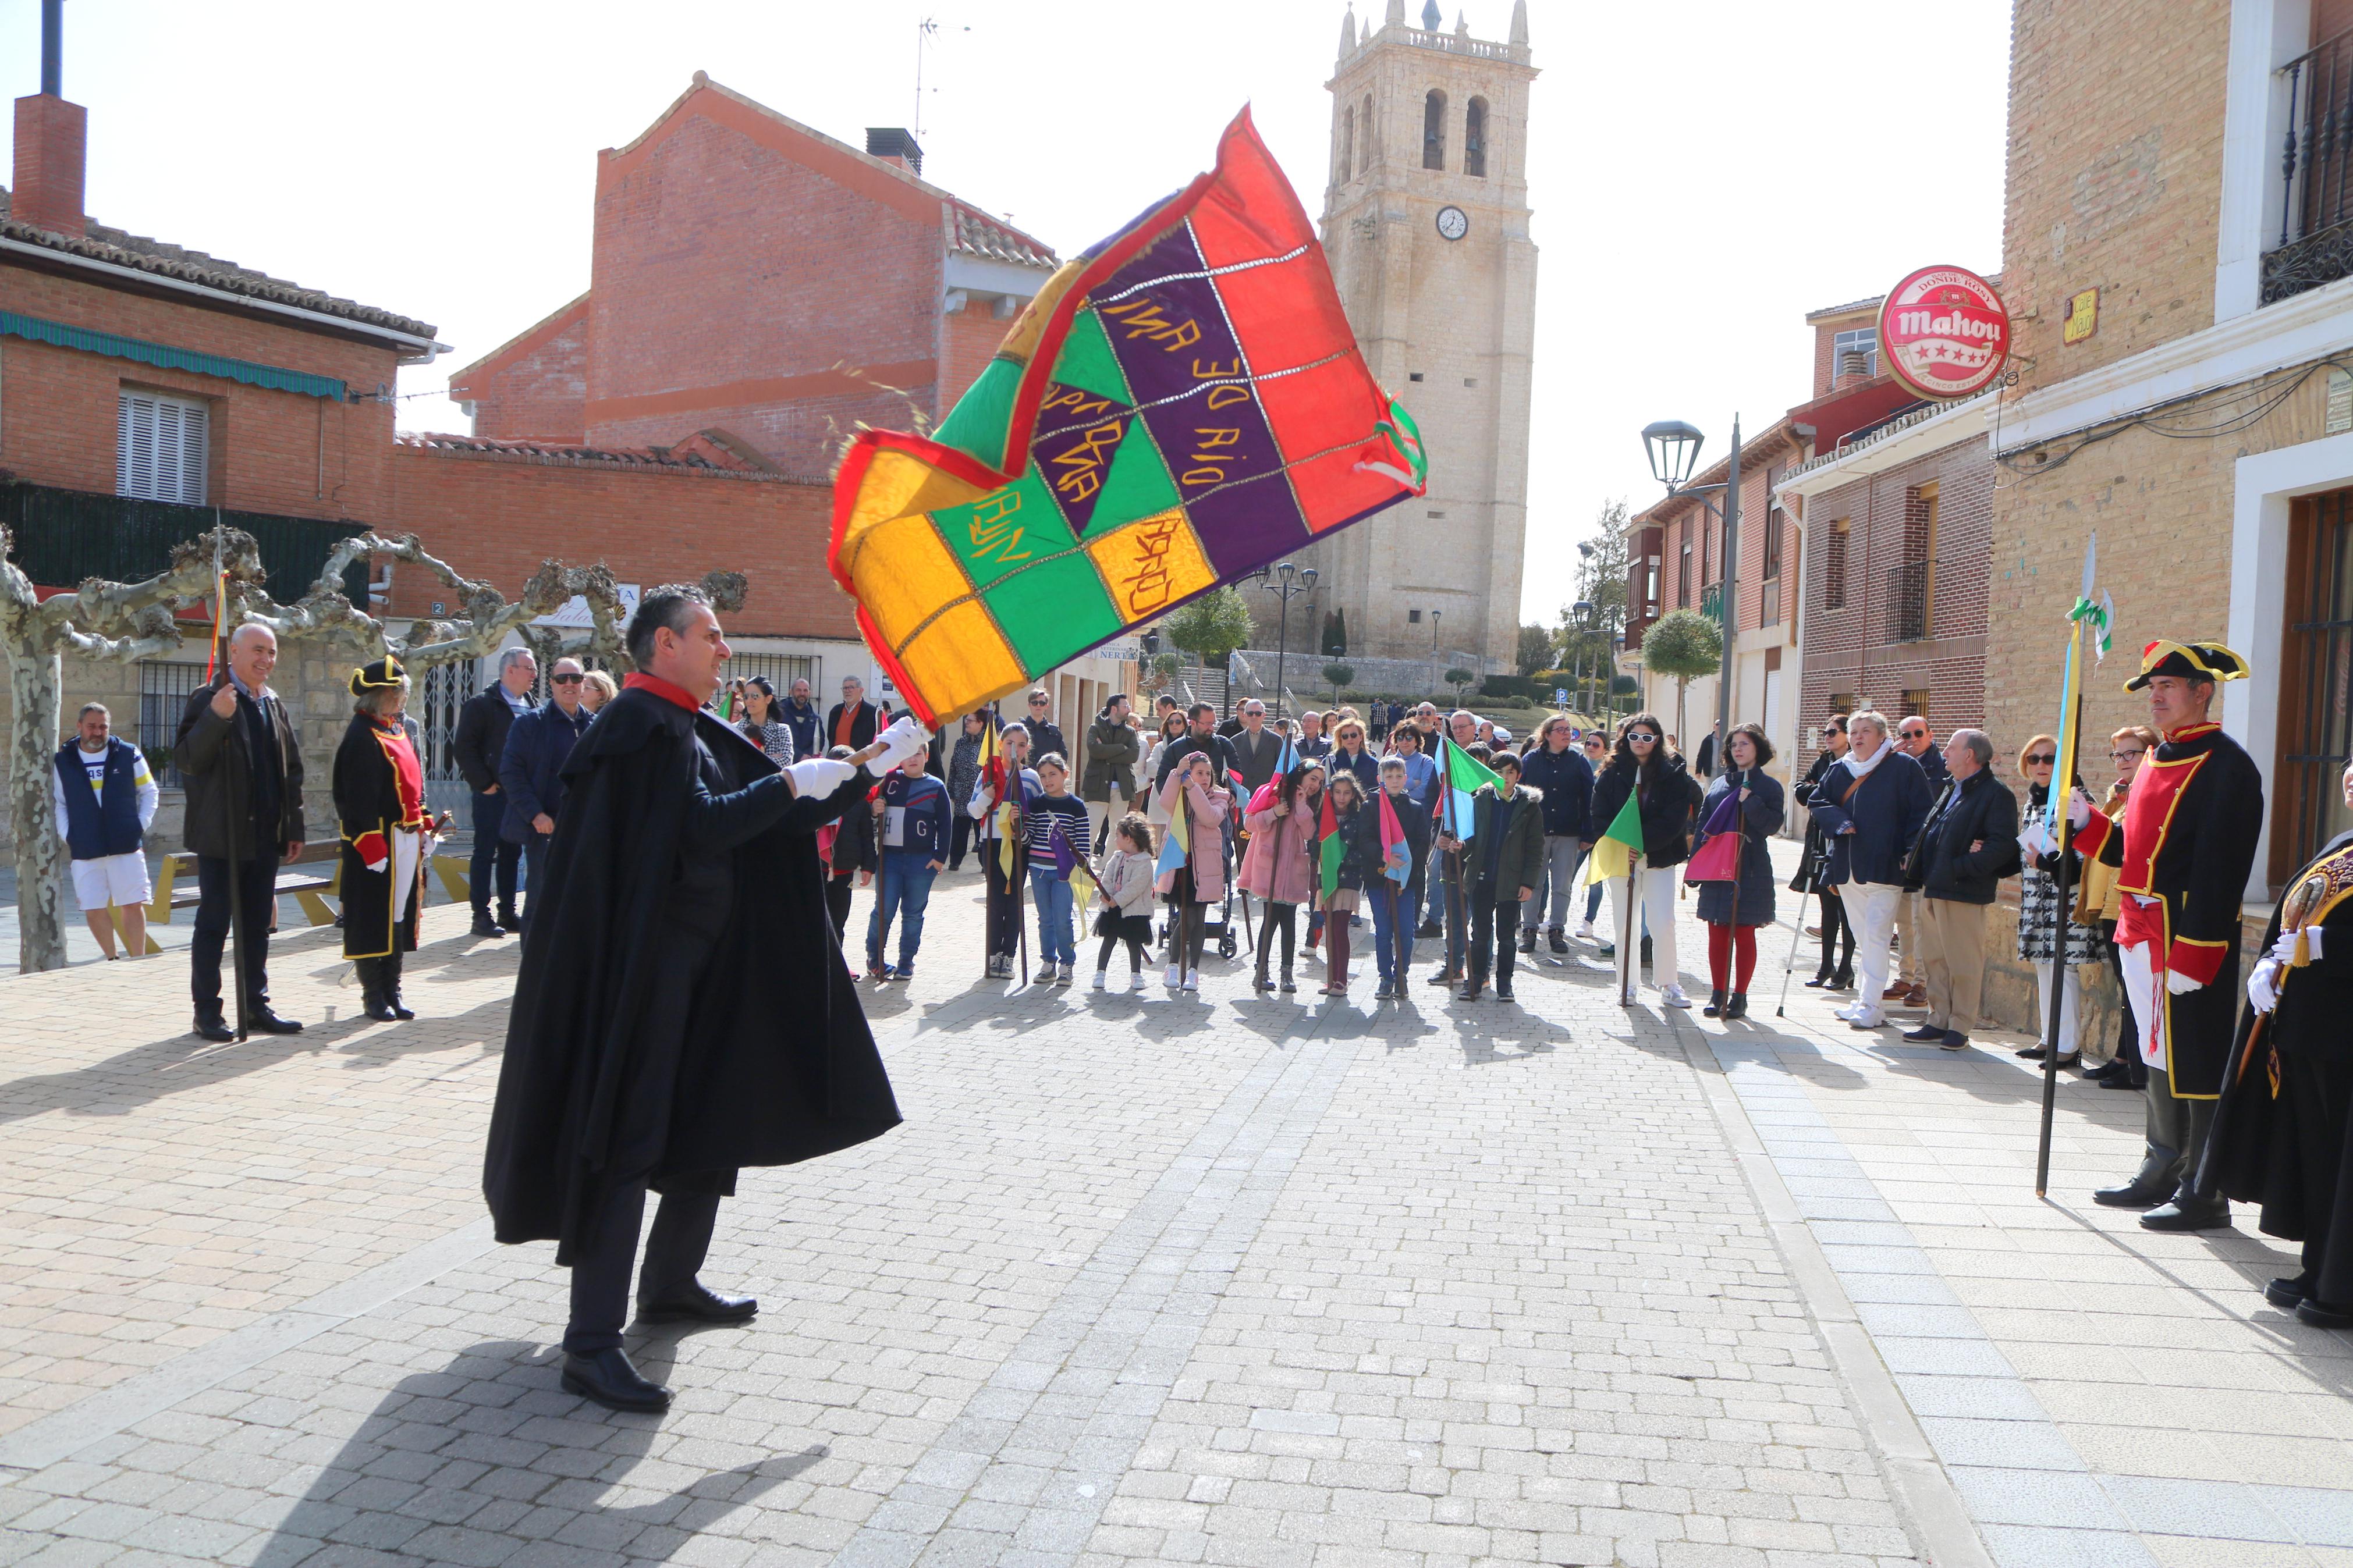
1683, 645
130, 621
1340, 675
1459, 677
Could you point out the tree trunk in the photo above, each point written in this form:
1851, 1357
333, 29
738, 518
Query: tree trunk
1683, 685
34, 676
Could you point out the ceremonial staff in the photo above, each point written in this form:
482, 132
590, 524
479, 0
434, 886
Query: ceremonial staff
236, 876
2081, 621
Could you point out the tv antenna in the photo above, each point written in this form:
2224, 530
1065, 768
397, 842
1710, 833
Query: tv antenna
925, 30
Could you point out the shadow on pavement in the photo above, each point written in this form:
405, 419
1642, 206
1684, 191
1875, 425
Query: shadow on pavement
463, 1464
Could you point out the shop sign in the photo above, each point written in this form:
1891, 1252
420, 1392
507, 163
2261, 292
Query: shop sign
1944, 333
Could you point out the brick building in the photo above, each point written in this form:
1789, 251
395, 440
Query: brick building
2180, 293
719, 294
1675, 555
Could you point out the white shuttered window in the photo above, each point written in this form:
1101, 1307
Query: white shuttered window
161, 448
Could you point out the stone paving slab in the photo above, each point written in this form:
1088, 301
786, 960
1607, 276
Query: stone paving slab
1141, 1279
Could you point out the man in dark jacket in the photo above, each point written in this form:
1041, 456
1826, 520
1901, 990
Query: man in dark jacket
852, 721
1917, 741
1502, 867
1871, 807
636, 1055
1202, 737
1554, 768
530, 770
237, 750
1968, 845
1045, 735
800, 716
480, 749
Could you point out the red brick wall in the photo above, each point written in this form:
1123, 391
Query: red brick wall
538, 388
500, 518
1848, 650
968, 341
733, 253
272, 451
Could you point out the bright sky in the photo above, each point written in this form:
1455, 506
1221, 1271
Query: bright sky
1701, 175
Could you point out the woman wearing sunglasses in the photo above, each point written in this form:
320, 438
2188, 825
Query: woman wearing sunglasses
2038, 905
1650, 769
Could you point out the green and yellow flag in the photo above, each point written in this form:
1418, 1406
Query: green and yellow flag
1613, 856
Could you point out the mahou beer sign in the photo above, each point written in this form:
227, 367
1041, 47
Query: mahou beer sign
1944, 333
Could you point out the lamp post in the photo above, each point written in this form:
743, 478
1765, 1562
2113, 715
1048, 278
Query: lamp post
1433, 650
1583, 611
1673, 445
1284, 589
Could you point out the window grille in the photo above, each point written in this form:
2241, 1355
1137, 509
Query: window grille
164, 688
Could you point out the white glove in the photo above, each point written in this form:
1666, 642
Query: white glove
903, 740
2263, 986
2284, 950
2181, 984
817, 777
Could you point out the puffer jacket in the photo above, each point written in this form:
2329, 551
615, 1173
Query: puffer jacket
1668, 801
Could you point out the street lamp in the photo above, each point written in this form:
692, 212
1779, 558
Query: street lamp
1583, 611
1674, 447
1433, 650
1285, 590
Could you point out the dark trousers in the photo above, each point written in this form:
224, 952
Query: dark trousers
836, 902
1835, 931
1493, 922
1003, 899
493, 852
259, 888
960, 839
681, 1232
2320, 1092
535, 861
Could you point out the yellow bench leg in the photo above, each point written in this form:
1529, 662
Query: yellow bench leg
314, 906
452, 872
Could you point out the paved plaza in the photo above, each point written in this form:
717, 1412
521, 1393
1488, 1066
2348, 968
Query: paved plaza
1146, 1279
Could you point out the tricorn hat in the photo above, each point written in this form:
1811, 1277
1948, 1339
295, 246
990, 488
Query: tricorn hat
384, 673
2189, 661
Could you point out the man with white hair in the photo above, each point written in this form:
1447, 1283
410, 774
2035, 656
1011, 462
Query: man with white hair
480, 749
1871, 806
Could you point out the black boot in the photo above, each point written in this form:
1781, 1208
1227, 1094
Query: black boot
371, 973
1529, 939
1715, 1008
1738, 1007
392, 984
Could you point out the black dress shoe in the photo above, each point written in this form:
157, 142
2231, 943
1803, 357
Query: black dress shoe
215, 1030
1818, 983
2324, 1317
698, 1304
608, 1378
1927, 1034
2133, 1194
2287, 1295
510, 922
1955, 1040
2176, 1215
2122, 1080
485, 926
266, 1022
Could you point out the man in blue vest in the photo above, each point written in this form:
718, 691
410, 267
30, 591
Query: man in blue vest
105, 799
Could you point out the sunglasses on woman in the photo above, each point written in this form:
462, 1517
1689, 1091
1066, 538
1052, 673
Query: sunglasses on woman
1639, 739
2043, 759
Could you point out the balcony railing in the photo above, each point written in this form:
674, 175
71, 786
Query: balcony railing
2316, 225
1711, 602
1910, 601
59, 537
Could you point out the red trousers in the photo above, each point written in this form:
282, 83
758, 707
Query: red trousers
1722, 942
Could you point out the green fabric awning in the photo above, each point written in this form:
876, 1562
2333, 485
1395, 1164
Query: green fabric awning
164, 356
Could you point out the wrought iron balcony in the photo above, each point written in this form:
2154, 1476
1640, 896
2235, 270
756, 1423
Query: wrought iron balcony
58, 538
2315, 233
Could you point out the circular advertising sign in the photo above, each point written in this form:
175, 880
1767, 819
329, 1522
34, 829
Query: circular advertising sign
1945, 332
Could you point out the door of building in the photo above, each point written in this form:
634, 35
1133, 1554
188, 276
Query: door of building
2315, 720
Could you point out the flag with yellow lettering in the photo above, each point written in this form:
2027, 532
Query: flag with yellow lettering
1178, 406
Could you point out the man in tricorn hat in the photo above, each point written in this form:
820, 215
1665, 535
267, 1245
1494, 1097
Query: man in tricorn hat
2184, 851
636, 1057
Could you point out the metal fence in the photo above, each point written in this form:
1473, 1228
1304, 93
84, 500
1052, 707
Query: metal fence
59, 538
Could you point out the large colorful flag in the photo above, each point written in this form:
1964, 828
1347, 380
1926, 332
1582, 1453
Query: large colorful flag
1461, 774
1613, 854
1178, 406
1397, 854
1328, 849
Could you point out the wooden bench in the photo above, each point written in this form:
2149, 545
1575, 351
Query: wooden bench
310, 890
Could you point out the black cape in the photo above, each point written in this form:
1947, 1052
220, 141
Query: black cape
772, 1061
2281, 1133
367, 800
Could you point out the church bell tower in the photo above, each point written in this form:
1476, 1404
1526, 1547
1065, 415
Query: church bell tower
1426, 227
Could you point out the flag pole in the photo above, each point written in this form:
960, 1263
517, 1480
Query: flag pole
1629, 970
2062, 789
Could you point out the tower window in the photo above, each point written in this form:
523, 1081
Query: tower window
1348, 144
1413, 617
1433, 131
1371, 147
1474, 139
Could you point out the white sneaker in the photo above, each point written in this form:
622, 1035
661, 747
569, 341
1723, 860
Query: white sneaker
1672, 996
1584, 930
1136, 981
1192, 980
1061, 974
1174, 978
1101, 976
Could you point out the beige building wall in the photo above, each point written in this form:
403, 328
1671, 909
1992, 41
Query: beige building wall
1446, 325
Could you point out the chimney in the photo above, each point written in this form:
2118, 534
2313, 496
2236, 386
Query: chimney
51, 135
893, 145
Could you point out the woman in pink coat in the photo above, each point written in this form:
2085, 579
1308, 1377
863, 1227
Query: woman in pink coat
1281, 865
1201, 880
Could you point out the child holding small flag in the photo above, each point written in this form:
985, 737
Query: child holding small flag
1057, 853
1340, 880
1192, 866
1392, 844
1278, 867
1125, 875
